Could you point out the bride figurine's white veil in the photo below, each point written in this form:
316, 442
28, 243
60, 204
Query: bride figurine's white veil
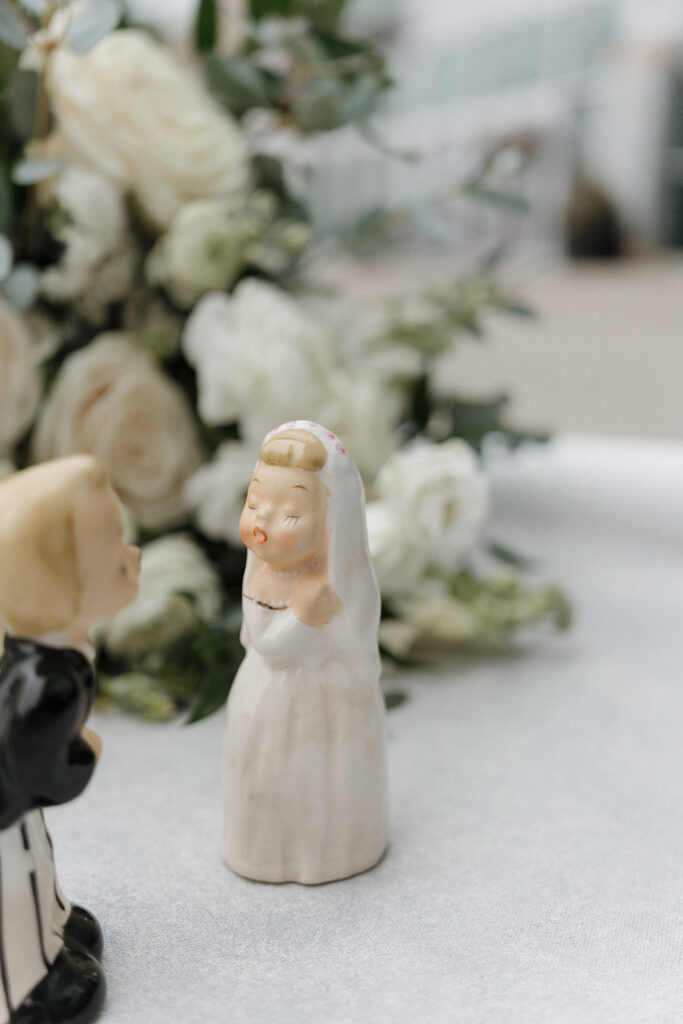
350, 569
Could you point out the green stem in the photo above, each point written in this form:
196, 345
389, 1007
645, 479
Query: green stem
28, 23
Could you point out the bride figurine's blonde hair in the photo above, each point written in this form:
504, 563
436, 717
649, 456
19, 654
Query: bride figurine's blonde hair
294, 449
40, 585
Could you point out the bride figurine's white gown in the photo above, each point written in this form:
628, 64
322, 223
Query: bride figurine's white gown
305, 787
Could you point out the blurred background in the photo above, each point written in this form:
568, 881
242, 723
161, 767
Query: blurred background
575, 109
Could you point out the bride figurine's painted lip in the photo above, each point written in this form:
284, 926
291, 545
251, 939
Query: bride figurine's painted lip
260, 536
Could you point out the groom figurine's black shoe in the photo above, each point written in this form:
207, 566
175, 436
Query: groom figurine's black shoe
83, 929
72, 991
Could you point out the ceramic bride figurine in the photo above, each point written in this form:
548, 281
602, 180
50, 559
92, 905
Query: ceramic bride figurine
304, 770
63, 568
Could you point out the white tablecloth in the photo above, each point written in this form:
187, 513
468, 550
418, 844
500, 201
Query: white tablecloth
534, 875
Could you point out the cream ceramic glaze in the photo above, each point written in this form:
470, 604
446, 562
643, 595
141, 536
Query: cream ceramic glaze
304, 769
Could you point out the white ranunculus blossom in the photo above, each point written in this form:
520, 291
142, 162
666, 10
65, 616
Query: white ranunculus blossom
216, 492
177, 588
21, 351
440, 494
399, 561
202, 251
260, 358
113, 401
128, 109
99, 260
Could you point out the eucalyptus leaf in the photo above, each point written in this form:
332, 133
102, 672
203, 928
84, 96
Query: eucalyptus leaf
473, 421
13, 30
218, 654
98, 20
494, 258
324, 14
318, 107
23, 95
494, 197
518, 308
374, 139
206, 26
29, 172
505, 554
5, 201
236, 83
394, 699
273, 8
6, 257
140, 694
360, 98
37, 7
9, 59
22, 285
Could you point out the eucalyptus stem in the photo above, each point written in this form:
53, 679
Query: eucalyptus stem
41, 127
28, 23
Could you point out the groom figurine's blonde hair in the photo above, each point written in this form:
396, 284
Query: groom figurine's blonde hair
40, 586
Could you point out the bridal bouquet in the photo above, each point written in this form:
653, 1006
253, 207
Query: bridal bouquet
155, 311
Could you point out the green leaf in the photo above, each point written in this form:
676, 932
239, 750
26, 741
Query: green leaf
29, 172
494, 197
98, 21
5, 201
22, 285
140, 694
493, 259
22, 102
273, 9
206, 26
473, 421
318, 107
508, 556
373, 138
6, 257
218, 653
518, 308
324, 14
236, 83
360, 98
394, 699
13, 29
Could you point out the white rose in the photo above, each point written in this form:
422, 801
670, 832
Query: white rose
20, 379
260, 358
177, 589
99, 260
113, 401
202, 251
216, 492
441, 496
399, 561
128, 109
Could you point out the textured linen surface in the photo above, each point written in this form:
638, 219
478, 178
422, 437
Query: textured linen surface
534, 872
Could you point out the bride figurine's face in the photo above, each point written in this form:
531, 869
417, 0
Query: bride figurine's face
283, 520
